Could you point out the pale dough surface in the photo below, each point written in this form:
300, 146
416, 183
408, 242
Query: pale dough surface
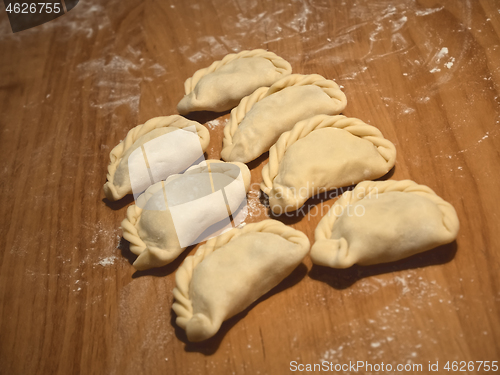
381, 222
230, 272
321, 154
222, 87
259, 120
277, 113
149, 225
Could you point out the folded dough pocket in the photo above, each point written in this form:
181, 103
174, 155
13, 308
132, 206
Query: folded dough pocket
321, 154
185, 209
223, 84
383, 221
260, 118
230, 272
153, 151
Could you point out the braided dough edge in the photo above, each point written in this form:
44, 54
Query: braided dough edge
183, 306
129, 224
282, 66
324, 228
330, 87
303, 128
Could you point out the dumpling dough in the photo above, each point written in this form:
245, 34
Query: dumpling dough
321, 154
260, 118
150, 229
383, 221
119, 184
222, 85
230, 272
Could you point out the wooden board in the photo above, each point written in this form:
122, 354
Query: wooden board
425, 72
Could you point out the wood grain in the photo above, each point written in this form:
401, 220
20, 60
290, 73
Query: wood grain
425, 72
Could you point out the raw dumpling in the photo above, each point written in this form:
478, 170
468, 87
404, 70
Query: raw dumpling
230, 272
168, 154
383, 221
222, 85
198, 199
321, 154
260, 118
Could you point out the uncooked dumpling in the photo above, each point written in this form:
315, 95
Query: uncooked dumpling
260, 118
383, 221
223, 84
171, 145
173, 214
321, 154
230, 272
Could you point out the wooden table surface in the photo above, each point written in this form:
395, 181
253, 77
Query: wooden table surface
425, 72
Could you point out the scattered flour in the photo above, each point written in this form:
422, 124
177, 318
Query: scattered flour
254, 209
122, 76
484, 137
399, 105
449, 64
213, 124
378, 330
107, 261
426, 12
149, 301
442, 53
